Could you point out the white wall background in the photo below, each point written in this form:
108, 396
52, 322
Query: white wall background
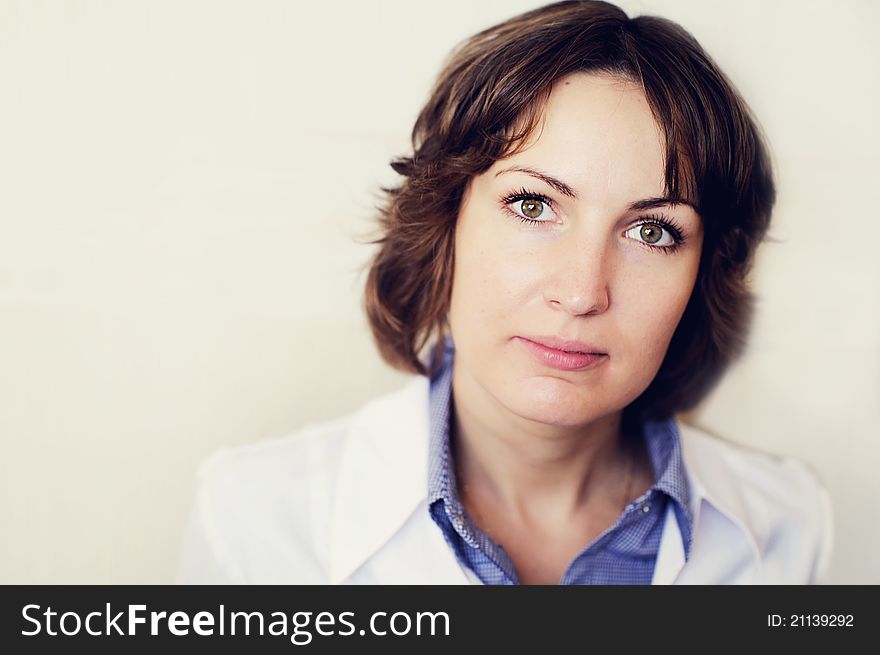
181, 188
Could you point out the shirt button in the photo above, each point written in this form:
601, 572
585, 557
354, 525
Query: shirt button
646, 508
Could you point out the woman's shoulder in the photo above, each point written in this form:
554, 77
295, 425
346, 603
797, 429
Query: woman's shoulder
276, 464
780, 500
780, 477
260, 510
263, 511
313, 452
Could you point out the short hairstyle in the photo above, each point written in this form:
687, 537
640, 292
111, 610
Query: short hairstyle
485, 103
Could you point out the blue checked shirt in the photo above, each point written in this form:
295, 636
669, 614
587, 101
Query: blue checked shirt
624, 554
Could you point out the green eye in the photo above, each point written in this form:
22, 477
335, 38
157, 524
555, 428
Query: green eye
651, 233
532, 208
655, 234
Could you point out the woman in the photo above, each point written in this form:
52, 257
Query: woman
570, 246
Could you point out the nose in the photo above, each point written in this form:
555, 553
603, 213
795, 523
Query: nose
579, 283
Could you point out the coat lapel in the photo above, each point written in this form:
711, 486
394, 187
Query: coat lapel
416, 554
382, 478
726, 541
670, 556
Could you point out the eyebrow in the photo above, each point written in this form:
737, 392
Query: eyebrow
551, 181
566, 190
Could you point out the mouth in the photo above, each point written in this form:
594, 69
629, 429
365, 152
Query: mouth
563, 354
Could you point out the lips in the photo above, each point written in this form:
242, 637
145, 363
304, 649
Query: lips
563, 354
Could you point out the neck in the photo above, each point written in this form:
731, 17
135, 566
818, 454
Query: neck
531, 470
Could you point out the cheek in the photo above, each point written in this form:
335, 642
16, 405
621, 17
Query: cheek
493, 277
652, 310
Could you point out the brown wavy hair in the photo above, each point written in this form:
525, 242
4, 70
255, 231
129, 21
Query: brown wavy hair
486, 102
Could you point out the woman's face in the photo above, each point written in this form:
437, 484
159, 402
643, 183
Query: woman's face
570, 245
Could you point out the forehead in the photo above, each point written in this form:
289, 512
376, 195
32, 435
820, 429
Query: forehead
597, 132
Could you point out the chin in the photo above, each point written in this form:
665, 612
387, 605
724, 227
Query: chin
558, 402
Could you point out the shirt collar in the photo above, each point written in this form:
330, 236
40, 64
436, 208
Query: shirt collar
441, 480
663, 442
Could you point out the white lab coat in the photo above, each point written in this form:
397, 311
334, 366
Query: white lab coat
345, 502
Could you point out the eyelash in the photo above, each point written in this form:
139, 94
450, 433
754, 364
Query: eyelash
667, 223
